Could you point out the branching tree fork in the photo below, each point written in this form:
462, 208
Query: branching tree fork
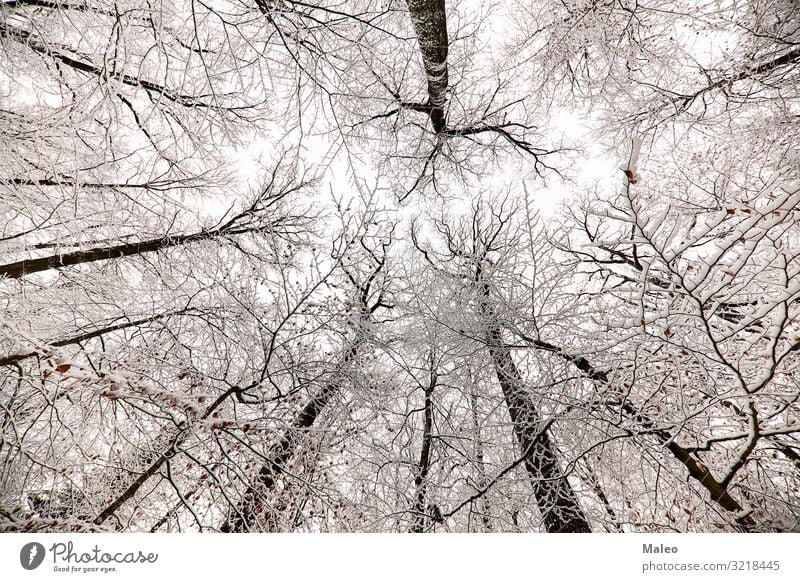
472, 244
251, 513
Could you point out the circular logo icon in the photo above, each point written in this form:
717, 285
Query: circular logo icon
31, 555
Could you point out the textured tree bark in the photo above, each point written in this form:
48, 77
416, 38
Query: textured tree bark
251, 509
557, 501
421, 478
555, 497
430, 24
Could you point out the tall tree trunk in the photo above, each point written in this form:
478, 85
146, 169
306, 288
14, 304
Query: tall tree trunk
480, 469
159, 461
555, 497
24, 267
421, 478
557, 501
251, 509
430, 24
250, 220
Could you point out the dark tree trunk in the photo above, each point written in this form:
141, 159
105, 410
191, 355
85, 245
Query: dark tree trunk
24, 267
421, 479
234, 226
557, 501
558, 504
159, 462
430, 24
251, 510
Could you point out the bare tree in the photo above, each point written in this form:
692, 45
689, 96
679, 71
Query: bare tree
369, 296
275, 265
470, 245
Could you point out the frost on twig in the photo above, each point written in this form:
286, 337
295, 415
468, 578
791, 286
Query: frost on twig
630, 167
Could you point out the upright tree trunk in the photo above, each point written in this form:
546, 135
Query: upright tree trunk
480, 469
251, 510
421, 478
558, 504
430, 24
718, 491
170, 451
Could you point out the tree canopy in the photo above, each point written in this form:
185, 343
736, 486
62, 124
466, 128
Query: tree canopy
399, 265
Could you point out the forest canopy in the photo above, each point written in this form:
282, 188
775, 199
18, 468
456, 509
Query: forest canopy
399, 266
